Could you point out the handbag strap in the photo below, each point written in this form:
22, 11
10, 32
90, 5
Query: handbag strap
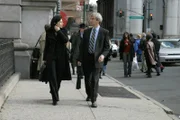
37, 41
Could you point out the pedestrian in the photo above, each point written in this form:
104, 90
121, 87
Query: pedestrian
132, 38
56, 57
42, 45
72, 54
157, 46
137, 49
76, 46
106, 59
95, 47
150, 55
127, 53
142, 47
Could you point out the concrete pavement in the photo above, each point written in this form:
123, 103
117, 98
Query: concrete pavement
31, 100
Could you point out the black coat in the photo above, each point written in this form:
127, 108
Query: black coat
55, 49
75, 42
122, 47
102, 47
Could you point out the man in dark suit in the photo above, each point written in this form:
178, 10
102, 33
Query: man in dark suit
94, 48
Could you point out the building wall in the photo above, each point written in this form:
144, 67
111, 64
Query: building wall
157, 11
130, 8
106, 8
10, 19
33, 21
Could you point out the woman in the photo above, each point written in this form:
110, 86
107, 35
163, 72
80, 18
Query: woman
56, 57
150, 55
127, 53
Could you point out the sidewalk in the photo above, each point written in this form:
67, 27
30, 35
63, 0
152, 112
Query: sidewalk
31, 100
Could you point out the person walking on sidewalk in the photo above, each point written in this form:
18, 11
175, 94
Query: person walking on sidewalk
95, 47
142, 47
56, 57
76, 41
42, 46
127, 53
150, 54
157, 45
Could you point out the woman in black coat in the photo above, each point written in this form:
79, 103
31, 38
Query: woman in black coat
56, 57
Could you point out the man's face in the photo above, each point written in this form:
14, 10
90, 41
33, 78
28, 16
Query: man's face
81, 29
93, 21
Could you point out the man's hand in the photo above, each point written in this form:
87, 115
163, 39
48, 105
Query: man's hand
101, 58
79, 63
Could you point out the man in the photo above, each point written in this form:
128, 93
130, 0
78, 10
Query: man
76, 41
142, 47
94, 49
157, 46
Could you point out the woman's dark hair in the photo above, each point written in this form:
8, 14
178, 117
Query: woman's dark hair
124, 37
55, 20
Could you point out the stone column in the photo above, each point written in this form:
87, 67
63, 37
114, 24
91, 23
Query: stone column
10, 19
172, 19
34, 16
136, 9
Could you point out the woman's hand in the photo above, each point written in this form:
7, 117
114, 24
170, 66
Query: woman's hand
56, 28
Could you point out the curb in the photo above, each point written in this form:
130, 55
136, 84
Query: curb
8, 86
131, 89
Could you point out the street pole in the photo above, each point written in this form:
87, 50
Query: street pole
84, 12
58, 7
164, 18
148, 12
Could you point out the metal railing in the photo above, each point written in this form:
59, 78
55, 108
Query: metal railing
6, 59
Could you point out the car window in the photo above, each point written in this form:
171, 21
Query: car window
170, 44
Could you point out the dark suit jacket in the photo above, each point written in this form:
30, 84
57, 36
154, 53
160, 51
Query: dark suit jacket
102, 47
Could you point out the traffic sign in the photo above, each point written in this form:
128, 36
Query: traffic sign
136, 17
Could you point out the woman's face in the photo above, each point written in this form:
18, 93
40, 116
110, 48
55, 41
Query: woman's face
60, 24
126, 35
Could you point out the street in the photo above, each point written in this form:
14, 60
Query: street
164, 89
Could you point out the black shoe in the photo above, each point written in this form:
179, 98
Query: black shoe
94, 105
158, 74
103, 74
125, 76
88, 99
54, 102
129, 75
100, 77
81, 77
149, 76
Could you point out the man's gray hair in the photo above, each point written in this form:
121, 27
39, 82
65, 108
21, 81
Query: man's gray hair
98, 16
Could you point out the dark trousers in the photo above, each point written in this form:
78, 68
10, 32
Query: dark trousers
91, 78
127, 64
54, 82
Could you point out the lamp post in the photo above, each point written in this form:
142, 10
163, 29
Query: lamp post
164, 18
58, 7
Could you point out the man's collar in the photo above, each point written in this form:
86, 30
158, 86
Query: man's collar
97, 28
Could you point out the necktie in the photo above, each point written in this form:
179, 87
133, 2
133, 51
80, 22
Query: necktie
91, 42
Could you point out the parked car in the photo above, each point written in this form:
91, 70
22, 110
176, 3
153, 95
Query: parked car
115, 46
170, 50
